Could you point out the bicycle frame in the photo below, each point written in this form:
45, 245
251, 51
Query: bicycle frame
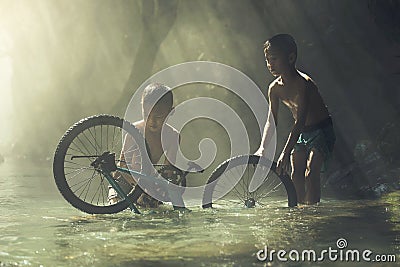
105, 164
106, 169
118, 189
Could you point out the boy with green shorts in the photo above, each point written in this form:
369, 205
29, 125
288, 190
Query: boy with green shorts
311, 139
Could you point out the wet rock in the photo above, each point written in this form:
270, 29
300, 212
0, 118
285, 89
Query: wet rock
369, 176
366, 192
388, 141
340, 178
379, 190
372, 165
373, 192
362, 149
396, 186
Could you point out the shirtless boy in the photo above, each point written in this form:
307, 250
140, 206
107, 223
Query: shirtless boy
311, 139
157, 104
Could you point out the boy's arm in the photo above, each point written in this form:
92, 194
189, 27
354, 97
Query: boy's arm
128, 159
302, 109
272, 121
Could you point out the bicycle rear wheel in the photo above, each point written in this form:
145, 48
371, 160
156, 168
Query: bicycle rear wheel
81, 184
248, 180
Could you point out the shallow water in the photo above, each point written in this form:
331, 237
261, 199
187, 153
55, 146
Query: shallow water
39, 228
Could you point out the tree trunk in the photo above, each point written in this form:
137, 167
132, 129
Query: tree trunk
158, 17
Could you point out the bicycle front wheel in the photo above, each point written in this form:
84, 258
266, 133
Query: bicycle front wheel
248, 180
78, 181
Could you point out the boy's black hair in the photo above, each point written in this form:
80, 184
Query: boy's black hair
283, 42
157, 93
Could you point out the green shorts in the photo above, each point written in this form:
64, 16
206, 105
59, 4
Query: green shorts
320, 136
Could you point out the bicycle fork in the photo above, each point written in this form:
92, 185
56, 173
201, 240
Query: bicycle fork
120, 192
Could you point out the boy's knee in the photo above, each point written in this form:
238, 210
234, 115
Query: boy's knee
297, 174
312, 173
299, 164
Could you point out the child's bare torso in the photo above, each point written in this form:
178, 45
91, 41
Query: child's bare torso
289, 95
156, 144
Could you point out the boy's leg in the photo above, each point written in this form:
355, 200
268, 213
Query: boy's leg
313, 180
299, 162
113, 197
153, 186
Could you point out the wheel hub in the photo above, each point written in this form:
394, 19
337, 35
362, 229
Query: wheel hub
250, 203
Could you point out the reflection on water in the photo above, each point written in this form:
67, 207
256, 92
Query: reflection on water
38, 227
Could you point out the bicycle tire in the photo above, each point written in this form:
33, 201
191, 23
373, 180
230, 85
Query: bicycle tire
244, 160
83, 131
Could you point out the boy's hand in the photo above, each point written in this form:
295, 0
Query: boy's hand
282, 165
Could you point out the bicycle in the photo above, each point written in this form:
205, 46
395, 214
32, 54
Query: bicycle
85, 165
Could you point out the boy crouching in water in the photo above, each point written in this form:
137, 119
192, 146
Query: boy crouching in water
157, 104
311, 139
